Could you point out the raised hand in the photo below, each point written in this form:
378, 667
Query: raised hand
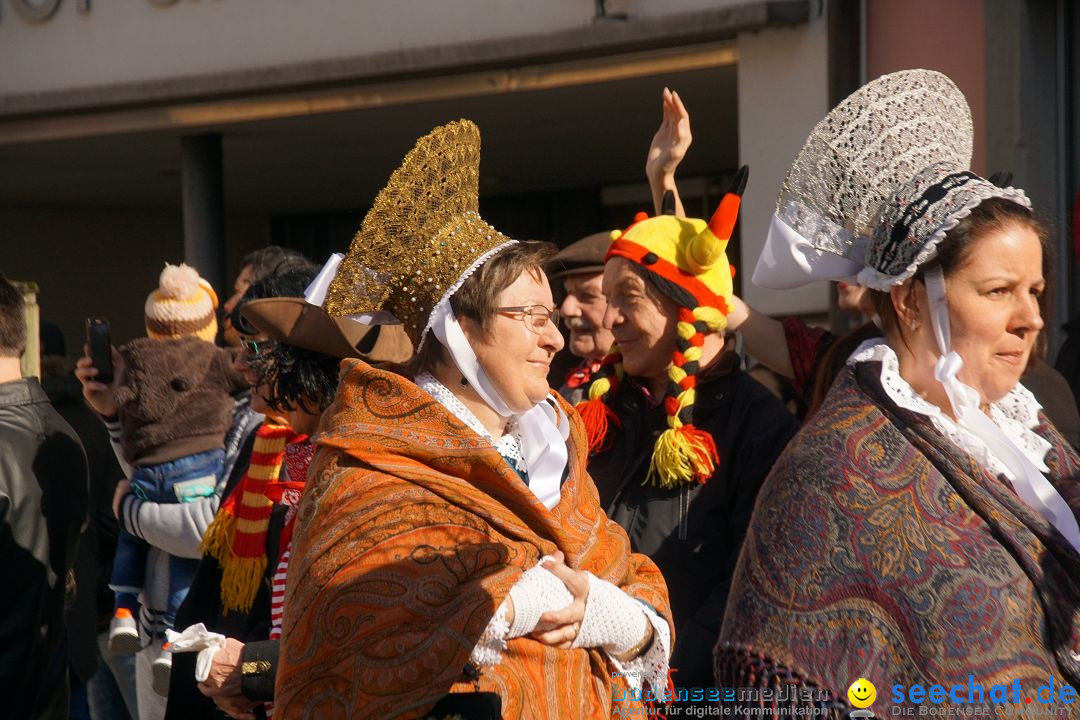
668, 148
672, 139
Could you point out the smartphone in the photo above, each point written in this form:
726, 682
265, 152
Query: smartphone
97, 337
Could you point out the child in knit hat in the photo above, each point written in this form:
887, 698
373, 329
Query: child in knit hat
175, 407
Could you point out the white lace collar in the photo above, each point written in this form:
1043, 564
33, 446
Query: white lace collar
509, 445
1016, 413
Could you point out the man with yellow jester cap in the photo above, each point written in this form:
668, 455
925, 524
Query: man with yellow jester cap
681, 438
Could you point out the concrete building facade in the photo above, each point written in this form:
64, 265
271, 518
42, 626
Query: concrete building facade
148, 131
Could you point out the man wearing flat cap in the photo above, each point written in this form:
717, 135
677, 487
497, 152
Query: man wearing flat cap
580, 268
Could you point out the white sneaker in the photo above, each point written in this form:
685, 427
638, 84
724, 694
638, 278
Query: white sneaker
162, 669
123, 633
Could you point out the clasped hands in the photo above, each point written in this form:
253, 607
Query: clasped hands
559, 628
624, 635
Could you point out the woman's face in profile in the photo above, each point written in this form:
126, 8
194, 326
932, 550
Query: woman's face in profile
994, 312
517, 354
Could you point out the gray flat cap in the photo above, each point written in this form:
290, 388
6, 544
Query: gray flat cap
584, 256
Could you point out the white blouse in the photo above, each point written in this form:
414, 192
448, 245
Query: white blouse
1016, 413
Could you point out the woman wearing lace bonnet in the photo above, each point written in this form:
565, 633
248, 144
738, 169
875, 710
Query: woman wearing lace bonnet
452, 557
921, 528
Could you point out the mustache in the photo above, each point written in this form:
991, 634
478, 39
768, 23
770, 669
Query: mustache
579, 325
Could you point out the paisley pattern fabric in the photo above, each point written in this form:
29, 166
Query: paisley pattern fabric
879, 549
410, 534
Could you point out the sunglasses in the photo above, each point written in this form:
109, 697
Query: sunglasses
240, 323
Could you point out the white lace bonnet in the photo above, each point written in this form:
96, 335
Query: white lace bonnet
879, 137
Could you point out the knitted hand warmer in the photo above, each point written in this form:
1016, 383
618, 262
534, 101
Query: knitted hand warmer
613, 620
538, 591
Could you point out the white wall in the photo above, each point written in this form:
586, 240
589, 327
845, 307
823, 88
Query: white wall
783, 93
124, 41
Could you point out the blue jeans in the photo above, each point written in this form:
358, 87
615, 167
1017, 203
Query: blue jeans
181, 480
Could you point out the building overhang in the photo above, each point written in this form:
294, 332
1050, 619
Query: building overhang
608, 49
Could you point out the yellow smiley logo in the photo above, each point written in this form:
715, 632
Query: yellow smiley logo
862, 693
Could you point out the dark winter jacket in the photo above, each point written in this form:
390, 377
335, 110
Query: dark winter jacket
694, 533
92, 606
43, 507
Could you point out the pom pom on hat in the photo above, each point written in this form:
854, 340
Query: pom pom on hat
179, 281
184, 304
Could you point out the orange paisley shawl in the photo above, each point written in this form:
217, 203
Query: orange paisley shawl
410, 533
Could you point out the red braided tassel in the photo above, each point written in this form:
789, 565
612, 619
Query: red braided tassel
597, 417
702, 445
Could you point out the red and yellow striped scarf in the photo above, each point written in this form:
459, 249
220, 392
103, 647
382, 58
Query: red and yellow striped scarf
237, 537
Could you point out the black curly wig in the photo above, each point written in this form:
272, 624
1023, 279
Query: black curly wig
295, 377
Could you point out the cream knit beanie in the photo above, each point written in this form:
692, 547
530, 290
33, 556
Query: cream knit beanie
183, 304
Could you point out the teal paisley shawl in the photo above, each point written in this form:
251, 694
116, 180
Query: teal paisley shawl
878, 549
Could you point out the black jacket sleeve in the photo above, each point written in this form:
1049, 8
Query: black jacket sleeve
258, 668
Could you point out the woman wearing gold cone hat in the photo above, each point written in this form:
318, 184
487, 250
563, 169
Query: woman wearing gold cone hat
452, 557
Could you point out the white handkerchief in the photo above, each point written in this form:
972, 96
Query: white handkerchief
196, 638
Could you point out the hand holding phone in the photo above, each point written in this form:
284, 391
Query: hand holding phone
97, 337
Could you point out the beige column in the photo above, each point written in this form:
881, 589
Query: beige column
783, 93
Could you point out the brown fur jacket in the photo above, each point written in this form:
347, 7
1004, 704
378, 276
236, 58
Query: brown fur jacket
176, 399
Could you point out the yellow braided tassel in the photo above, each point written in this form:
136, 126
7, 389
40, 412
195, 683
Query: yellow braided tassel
676, 373
682, 455
670, 463
713, 318
599, 388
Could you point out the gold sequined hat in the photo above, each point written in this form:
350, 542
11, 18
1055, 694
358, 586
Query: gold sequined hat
423, 236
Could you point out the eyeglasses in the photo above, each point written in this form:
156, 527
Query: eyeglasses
254, 348
536, 317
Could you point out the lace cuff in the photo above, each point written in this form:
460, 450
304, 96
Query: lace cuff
652, 665
613, 620
616, 623
492, 642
